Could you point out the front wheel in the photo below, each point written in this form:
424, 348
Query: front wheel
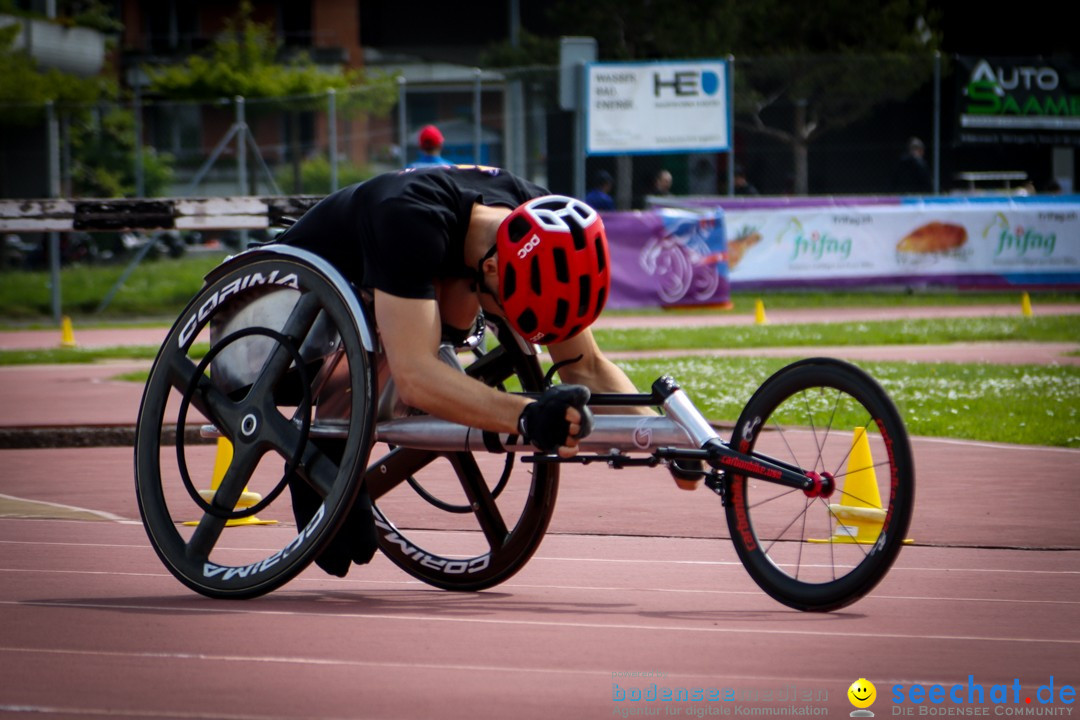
823, 550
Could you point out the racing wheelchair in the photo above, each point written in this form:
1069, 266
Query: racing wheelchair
278, 360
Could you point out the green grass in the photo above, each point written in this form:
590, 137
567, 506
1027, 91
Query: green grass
75, 355
1028, 404
157, 288
1059, 328
1019, 404
743, 301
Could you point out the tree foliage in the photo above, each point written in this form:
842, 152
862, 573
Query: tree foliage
25, 89
101, 133
103, 157
801, 69
245, 60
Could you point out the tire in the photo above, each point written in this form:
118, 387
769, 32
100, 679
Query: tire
284, 342
822, 553
460, 521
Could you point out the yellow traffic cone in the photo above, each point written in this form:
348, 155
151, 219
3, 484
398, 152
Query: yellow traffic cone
759, 313
67, 334
247, 499
1025, 305
859, 514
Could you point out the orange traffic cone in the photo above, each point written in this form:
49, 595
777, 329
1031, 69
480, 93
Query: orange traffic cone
859, 514
247, 499
67, 334
759, 313
1025, 305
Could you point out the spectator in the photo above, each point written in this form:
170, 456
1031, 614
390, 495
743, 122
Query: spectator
912, 174
661, 183
431, 144
599, 196
743, 185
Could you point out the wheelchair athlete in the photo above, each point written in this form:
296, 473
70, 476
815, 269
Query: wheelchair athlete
437, 247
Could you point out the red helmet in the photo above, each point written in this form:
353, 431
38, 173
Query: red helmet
554, 274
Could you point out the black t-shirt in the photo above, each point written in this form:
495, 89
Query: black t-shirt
400, 231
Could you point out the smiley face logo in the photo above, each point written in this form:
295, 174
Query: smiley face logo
862, 693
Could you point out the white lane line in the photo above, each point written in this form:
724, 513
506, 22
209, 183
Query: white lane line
60, 506
46, 710
636, 561
300, 584
805, 565
995, 446
679, 678
564, 625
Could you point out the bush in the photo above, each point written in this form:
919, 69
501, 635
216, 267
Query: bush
315, 176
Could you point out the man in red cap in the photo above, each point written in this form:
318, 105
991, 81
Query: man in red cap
431, 142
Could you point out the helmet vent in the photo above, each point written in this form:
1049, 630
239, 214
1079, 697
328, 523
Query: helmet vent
601, 255
584, 293
578, 233
509, 282
562, 309
562, 269
527, 322
534, 275
519, 227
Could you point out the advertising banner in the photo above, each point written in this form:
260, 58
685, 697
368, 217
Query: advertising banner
1018, 101
983, 243
667, 258
668, 107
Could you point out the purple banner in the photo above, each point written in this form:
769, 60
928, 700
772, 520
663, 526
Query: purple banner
673, 258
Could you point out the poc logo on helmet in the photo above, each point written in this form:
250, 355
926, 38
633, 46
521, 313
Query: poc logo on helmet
528, 247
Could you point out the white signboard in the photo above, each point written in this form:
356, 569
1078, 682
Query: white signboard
668, 107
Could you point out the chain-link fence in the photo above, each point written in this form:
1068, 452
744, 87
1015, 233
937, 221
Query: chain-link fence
803, 126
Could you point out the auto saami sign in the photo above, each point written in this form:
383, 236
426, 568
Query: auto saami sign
1018, 101
668, 107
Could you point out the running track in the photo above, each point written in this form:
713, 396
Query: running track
634, 577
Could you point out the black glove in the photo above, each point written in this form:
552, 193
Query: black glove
543, 421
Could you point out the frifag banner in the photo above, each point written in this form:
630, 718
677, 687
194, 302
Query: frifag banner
1017, 101
980, 243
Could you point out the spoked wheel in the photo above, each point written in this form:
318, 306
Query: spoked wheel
465, 521
285, 372
826, 548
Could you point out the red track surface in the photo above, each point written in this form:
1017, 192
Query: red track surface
634, 577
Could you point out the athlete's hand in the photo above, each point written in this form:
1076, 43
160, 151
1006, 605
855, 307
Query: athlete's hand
557, 420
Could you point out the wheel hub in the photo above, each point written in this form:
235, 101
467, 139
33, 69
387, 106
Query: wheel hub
823, 485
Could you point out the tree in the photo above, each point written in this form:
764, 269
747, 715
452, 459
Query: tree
25, 89
244, 60
801, 69
103, 152
101, 136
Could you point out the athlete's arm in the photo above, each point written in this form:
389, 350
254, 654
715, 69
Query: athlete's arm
410, 330
593, 370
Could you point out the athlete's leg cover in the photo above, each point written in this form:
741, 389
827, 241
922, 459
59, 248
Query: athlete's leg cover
356, 541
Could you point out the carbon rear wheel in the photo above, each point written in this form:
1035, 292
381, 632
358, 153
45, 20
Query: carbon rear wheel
825, 549
466, 521
270, 354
